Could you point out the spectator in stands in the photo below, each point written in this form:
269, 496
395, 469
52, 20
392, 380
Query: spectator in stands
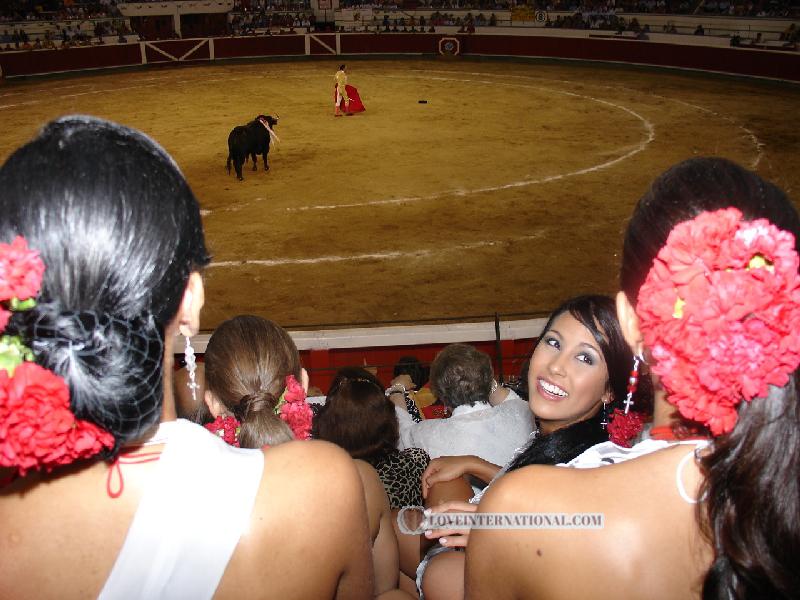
576, 378
412, 376
699, 30
358, 417
462, 378
101, 334
249, 365
249, 362
723, 514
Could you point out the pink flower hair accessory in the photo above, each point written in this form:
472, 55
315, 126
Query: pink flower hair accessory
38, 429
720, 312
293, 409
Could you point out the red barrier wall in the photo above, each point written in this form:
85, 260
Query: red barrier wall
323, 364
271, 45
69, 59
391, 43
762, 63
177, 49
776, 64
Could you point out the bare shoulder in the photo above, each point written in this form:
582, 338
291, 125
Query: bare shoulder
309, 466
365, 469
651, 475
310, 496
602, 521
303, 476
369, 477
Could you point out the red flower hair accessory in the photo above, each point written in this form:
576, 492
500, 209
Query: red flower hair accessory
624, 427
21, 272
37, 427
720, 311
294, 410
227, 428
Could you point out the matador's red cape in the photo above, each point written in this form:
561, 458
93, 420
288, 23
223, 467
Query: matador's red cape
356, 106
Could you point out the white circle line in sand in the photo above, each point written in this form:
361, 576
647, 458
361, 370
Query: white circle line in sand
277, 262
758, 144
87, 93
648, 126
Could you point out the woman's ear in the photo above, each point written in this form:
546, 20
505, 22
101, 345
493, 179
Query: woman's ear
191, 303
629, 323
304, 379
215, 407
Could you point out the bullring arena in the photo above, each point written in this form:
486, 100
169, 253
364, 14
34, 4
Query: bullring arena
505, 193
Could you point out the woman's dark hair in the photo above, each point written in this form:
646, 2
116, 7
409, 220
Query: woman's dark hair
683, 192
358, 416
410, 365
461, 375
751, 477
119, 232
341, 67
599, 315
752, 483
246, 363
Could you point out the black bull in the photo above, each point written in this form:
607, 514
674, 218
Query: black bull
250, 140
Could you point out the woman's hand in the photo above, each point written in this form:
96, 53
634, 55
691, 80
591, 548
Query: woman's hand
444, 468
405, 381
447, 468
450, 538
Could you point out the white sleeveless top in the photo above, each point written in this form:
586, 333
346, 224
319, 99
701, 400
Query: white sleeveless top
609, 453
190, 518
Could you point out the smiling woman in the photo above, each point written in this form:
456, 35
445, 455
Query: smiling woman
577, 373
577, 377
568, 377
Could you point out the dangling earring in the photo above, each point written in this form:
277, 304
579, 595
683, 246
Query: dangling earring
604, 422
191, 367
633, 382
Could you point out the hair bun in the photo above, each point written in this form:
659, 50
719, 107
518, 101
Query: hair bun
112, 365
252, 404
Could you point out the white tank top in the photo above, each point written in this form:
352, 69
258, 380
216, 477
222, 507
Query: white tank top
190, 518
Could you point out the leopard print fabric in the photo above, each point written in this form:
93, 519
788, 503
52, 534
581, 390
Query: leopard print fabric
401, 474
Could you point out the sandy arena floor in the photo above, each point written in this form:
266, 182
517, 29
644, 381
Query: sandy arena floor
507, 192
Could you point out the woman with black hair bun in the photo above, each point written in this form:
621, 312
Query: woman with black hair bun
711, 301
101, 245
575, 380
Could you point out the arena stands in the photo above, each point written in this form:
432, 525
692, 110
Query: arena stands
56, 24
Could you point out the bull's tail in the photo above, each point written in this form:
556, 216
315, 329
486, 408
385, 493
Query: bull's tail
228, 165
